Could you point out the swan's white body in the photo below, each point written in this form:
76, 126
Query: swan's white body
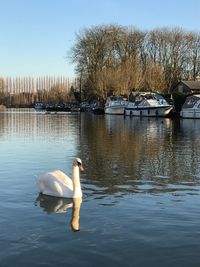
58, 184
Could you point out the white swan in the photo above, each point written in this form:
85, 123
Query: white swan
58, 184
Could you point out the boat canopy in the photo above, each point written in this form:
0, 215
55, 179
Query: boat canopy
149, 95
191, 101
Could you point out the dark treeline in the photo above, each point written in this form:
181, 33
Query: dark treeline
25, 91
116, 59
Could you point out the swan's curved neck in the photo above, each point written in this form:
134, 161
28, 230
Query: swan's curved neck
76, 182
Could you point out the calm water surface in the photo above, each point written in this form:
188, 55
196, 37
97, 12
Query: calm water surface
141, 187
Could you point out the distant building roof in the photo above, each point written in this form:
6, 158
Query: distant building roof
193, 85
186, 87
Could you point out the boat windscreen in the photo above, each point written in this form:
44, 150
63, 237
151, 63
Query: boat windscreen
190, 101
116, 98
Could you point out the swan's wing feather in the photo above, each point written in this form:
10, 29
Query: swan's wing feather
62, 178
56, 183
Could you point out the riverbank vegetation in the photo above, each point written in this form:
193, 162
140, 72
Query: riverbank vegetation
25, 91
117, 59
112, 59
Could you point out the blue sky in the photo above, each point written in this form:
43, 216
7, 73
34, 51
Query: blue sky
36, 35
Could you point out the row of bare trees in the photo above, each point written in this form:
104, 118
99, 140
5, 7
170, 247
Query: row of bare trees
28, 90
112, 58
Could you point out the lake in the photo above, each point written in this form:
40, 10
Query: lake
141, 190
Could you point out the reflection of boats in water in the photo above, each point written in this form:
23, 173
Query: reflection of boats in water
136, 125
189, 127
51, 204
191, 107
148, 104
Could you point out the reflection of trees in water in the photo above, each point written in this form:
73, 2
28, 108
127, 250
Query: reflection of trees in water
119, 144
122, 151
119, 154
28, 123
2, 125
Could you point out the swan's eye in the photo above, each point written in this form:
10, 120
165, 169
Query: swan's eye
79, 164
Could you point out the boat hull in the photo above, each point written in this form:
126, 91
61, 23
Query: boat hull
190, 114
39, 106
115, 105
57, 110
114, 110
98, 111
148, 111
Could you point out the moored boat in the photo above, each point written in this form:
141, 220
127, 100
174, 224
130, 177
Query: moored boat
39, 106
58, 108
148, 104
97, 107
98, 110
115, 105
191, 107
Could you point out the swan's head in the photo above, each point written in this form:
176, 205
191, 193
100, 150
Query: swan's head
78, 162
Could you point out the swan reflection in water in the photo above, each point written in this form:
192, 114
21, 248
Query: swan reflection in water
61, 205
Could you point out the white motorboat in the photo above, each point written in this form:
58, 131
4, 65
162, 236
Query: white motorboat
115, 105
148, 104
191, 107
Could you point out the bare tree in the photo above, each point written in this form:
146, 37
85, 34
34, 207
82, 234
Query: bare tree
120, 59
